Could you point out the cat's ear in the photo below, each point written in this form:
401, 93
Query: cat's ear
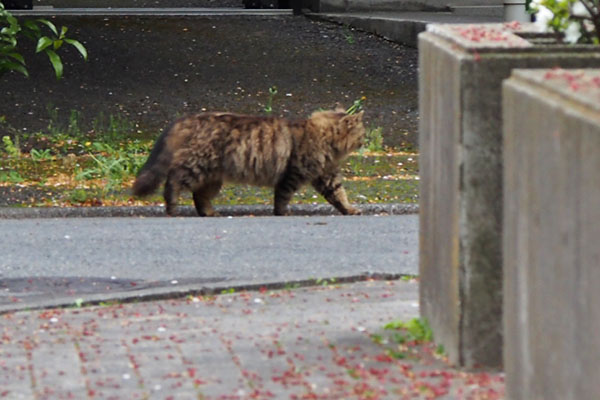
353, 119
339, 108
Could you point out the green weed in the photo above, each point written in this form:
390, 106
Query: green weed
349, 36
11, 148
79, 196
408, 278
40, 155
11, 177
440, 350
373, 140
268, 109
417, 330
356, 106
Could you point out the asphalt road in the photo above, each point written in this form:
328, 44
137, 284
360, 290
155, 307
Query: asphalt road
56, 261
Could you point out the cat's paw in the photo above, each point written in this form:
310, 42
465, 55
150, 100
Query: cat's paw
208, 213
353, 211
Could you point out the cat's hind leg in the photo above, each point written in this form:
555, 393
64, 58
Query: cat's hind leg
202, 197
171, 193
330, 186
284, 191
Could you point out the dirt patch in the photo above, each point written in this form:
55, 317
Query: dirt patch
150, 69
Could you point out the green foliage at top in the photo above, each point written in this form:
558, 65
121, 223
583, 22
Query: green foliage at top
48, 38
574, 21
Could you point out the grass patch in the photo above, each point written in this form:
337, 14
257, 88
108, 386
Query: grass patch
74, 164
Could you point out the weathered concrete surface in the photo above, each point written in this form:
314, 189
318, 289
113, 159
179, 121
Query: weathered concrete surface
461, 70
401, 27
399, 5
551, 231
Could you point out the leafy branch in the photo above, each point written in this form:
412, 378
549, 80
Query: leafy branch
11, 29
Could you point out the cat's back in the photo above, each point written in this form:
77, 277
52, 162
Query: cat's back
248, 148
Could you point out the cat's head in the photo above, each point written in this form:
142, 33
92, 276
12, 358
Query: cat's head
344, 132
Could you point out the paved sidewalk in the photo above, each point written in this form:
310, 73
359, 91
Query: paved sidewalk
311, 343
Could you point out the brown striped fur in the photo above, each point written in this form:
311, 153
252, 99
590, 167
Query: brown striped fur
200, 152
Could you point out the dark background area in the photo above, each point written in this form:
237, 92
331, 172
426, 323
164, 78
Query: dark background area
151, 69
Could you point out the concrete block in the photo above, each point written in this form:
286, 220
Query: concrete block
551, 234
461, 68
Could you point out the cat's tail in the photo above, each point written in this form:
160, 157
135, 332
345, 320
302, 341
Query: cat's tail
156, 167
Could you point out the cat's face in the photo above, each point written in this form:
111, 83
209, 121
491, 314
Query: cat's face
355, 130
344, 132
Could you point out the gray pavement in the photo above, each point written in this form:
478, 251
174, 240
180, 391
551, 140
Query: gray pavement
56, 261
310, 343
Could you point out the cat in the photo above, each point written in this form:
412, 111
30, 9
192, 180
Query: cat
201, 151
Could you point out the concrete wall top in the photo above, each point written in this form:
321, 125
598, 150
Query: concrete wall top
512, 37
580, 86
477, 37
402, 5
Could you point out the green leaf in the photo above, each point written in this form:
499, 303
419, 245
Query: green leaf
63, 31
43, 43
32, 26
12, 21
17, 57
13, 66
56, 63
57, 44
79, 47
49, 25
11, 30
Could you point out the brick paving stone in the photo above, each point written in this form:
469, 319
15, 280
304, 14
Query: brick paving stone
309, 343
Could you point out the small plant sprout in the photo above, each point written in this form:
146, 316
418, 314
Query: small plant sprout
269, 106
349, 36
356, 106
40, 155
573, 21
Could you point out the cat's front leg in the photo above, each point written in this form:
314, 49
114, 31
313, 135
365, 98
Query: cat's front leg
330, 186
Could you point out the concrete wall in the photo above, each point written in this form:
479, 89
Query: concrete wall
399, 5
552, 235
461, 69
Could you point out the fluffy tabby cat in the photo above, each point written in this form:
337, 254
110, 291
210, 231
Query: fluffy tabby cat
200, 152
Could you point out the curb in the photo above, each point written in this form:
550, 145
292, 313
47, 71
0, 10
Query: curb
170, 292
189, 211
152, 12
400, 31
